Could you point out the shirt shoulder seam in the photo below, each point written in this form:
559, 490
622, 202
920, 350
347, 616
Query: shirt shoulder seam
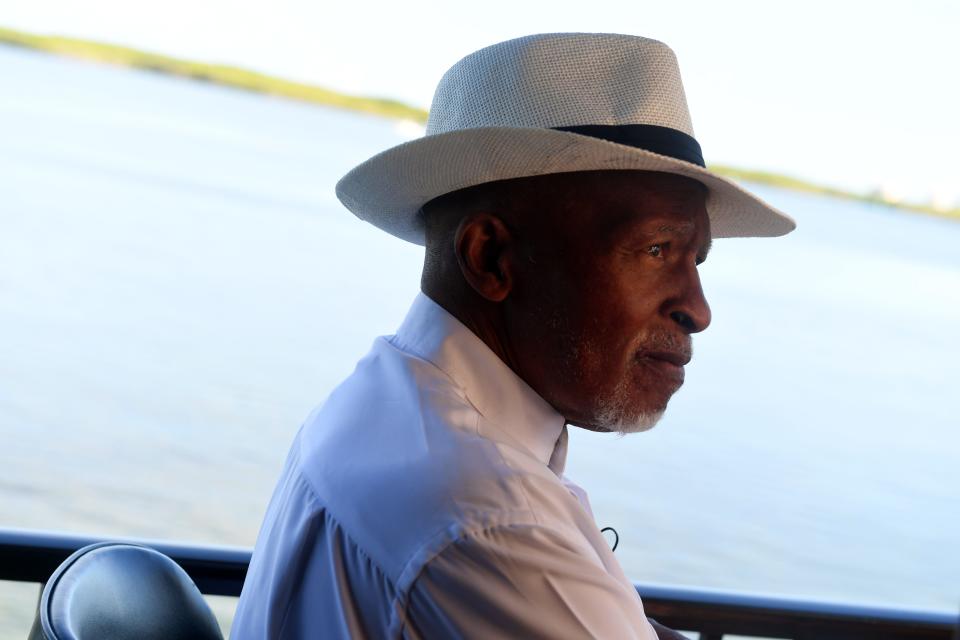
403, 595
314, 496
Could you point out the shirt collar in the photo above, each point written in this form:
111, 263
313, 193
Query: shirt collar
506, 402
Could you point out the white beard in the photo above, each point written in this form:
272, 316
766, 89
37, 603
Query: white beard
613, 413
614, 416
624, 424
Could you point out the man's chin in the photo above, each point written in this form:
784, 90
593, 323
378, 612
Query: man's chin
635, 423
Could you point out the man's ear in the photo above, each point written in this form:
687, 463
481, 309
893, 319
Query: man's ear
484, 248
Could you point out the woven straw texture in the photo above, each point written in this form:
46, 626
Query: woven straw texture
559, 80
492, 119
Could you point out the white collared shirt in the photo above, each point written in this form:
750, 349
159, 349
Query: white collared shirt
426, 499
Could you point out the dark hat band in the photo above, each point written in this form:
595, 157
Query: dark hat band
662, 140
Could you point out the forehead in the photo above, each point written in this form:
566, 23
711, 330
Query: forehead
616, 201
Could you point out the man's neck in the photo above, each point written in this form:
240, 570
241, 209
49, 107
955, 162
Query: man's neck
480, 316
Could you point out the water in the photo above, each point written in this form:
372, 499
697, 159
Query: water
179, 287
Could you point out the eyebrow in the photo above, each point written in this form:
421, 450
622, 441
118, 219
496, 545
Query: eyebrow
681, 227
686, 228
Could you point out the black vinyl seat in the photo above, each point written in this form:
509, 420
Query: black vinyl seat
111, 591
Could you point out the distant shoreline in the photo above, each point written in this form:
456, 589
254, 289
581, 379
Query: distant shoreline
795, 184
213, 73
262, 83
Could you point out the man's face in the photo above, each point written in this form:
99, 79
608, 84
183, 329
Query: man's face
607, 293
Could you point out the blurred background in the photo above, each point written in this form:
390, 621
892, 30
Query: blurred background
179, 285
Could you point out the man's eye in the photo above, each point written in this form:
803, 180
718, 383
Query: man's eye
656, 250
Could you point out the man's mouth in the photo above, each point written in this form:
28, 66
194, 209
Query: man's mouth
668, 364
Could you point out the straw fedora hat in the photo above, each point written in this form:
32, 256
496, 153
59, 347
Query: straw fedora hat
550, 103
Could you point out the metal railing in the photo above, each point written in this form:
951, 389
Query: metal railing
31, 556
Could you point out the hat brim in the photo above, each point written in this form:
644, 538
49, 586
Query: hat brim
389, 189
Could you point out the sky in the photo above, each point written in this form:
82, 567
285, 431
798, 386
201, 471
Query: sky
859, 95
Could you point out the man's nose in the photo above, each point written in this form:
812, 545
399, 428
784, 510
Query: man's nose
690, 309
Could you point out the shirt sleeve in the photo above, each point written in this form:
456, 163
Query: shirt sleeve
521, 582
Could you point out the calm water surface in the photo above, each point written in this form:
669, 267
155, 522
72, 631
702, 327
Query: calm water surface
179, 287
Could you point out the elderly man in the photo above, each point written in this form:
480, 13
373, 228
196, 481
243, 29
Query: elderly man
565, 208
